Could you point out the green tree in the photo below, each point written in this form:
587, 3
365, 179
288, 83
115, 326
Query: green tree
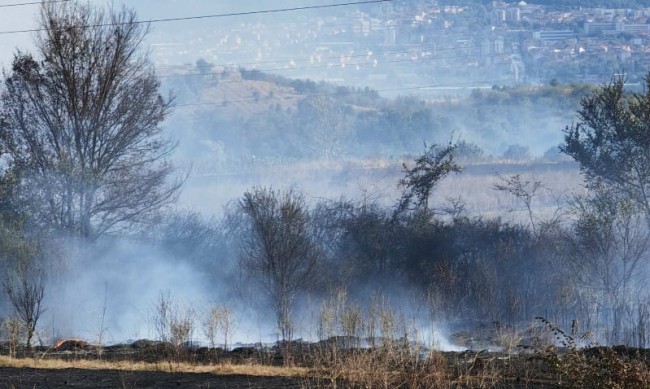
432, 166
81, 123
609, 243
611, 141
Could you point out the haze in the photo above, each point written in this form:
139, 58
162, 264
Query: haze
336, 105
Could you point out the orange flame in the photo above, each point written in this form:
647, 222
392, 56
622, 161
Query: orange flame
62, 342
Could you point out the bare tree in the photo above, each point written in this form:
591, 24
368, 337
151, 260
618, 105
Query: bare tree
523, 190
173, 321
220, 319
325, 124
277, 250
24, 282
80, 122
526, 192
608, 253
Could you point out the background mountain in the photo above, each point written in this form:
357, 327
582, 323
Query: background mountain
222, 113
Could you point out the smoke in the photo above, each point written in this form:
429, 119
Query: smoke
110, 289
118, 282
438, 338
113, 286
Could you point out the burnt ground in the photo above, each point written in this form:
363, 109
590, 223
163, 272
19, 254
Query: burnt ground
149, 352
466, 369
463, 363
19, 378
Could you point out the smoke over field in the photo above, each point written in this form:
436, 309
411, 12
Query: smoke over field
212, 211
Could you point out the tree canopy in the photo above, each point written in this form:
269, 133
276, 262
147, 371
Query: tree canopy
611, 141
81, 123
418, 182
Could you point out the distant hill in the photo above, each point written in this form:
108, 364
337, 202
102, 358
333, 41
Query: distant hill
232, 115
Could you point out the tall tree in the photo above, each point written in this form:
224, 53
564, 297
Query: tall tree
610, 242
81, 123
611, 141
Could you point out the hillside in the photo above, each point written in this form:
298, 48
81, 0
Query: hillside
233, 115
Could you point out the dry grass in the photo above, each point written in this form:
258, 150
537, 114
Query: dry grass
585, 365
475, 187
376, 180
216, 369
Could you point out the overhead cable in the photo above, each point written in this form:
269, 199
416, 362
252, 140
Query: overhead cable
223, 15
30, 3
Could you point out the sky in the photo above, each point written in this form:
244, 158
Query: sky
24, 17
15, 18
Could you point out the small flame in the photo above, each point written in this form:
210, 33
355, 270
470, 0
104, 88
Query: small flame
76, 343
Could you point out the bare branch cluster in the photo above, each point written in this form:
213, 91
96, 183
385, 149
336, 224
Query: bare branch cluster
81, 123
278, 249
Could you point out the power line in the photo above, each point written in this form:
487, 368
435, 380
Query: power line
30, 3
224, 15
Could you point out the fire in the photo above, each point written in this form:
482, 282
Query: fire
70, 344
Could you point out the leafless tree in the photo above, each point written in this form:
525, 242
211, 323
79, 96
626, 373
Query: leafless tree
80, 122
173, 321
24, 283
220, 319
325, 123
523, 190
277, 250
608, 253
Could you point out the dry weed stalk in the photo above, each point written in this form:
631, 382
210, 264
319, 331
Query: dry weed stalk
174, 323
377, 360
585, 365
508, 338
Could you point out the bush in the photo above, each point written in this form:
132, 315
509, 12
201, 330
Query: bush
594, 367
